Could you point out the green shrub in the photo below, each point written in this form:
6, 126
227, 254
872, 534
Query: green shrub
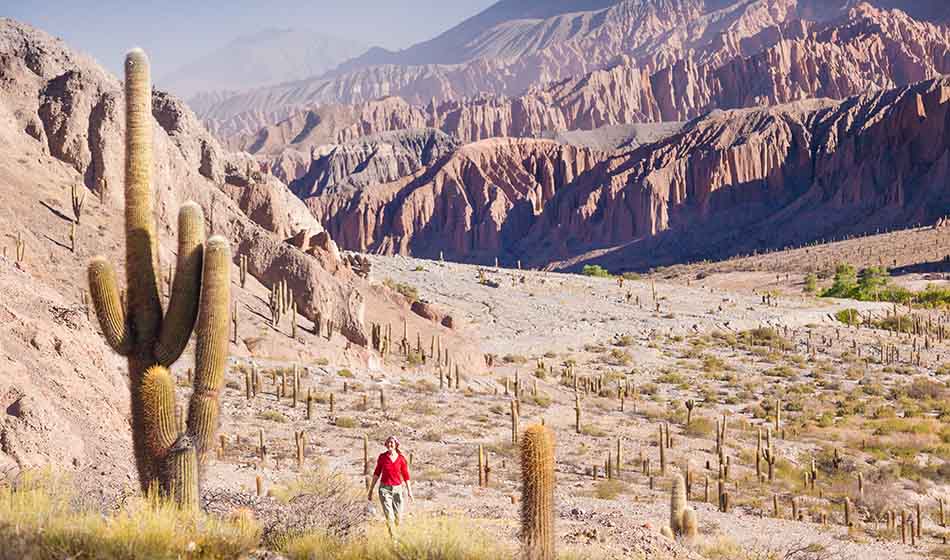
408, 291
273, 416
595, 270
609, 489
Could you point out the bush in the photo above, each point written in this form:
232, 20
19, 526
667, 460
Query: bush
408, 291
273, 416
922, 388
700, 427
595, 270
609, 489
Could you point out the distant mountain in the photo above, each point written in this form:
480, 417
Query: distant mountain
514, 46
266, 58
937, 11
493, 32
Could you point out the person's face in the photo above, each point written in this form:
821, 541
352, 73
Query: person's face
390, 444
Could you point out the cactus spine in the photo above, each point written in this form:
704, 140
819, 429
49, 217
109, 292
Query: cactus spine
537, 494
167, 457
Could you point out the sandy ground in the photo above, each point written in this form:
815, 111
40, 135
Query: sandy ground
555, 318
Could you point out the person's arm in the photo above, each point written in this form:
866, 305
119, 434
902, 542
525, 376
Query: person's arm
371, 486
405, 478
376, 474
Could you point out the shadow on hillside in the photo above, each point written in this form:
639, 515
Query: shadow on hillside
932, 267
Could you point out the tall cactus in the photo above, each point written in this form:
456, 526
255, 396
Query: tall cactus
537, 500
167, 457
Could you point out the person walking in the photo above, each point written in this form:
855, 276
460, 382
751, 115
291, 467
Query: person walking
392, 471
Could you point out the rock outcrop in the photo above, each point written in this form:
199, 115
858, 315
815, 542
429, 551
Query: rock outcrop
382, 158
730, 181
481, 200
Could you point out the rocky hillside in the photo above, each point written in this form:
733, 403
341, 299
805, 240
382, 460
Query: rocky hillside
62, 128
732, 180
371, 160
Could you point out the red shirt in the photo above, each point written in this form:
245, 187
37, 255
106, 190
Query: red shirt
391, 473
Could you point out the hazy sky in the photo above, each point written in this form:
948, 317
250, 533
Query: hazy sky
175, 32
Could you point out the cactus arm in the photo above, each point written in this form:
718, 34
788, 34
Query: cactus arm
211, 352
183, 307
141, 246
105, 297
158, 413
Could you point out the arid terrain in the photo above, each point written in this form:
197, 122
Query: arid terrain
580, 214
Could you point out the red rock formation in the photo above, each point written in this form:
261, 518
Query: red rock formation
330, 124
732, 180
865, 50
482, 199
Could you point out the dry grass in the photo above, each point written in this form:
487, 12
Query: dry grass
37, 521
424, 538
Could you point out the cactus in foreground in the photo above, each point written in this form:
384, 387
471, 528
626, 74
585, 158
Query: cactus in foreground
167, 457
537, 493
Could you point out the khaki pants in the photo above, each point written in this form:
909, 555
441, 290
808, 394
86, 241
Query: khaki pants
390, 497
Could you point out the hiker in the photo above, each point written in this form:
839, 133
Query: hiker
392, 471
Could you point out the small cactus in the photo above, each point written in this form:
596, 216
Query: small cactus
537, 495
20, 248
514, 421
78, 197
690, 525
677, 504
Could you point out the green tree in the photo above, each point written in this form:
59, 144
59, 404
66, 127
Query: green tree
871, 281
811, 283
845, 282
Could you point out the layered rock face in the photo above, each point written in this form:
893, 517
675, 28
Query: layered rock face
331, 124
726, 182
866, 49
381, 158
479, 201
742, 180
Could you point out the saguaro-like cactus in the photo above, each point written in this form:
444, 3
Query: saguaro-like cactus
537, 493
167, 456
